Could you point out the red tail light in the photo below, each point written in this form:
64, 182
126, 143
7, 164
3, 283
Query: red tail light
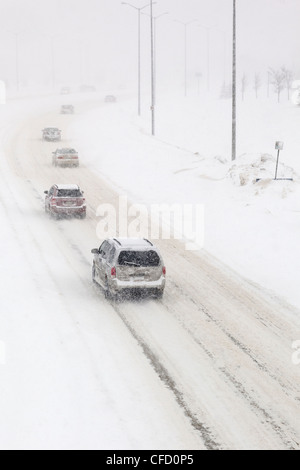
80, 201
113, 272
53, 202
164, 271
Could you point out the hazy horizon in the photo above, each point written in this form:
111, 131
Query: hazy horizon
95, 41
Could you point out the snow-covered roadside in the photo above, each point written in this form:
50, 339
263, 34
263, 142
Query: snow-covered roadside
254, 228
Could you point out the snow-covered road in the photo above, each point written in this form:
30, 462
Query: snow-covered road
210, 366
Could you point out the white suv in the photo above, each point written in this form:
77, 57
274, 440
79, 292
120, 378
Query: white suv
51, 134
129, 265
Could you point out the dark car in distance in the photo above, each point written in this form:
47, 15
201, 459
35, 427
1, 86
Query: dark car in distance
110, 99
67, 109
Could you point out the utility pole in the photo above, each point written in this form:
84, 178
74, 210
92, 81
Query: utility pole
155, 18
185, 51
208, 57
139, 48
233, 155
208, 29
225, 53
17, 62
53, 62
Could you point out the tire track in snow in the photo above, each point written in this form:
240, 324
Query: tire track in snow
263, 367
277, 428
165, 376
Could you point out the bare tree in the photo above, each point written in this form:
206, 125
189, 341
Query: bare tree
277, 79
288, 78
257, 84
244, 84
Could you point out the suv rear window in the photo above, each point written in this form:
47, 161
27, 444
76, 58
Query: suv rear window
66, 151
69, 193
139, 258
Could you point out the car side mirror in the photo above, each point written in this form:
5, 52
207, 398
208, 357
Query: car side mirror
46, 192
95, 251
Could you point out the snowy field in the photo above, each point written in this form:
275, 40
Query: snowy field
209, 367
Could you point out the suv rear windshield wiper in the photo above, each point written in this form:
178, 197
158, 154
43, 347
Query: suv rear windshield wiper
139, 258
131, 264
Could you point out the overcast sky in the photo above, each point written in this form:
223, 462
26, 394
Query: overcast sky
96, 40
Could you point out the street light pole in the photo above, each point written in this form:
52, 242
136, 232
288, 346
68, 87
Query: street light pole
16, 58
207, 28
81, 36
155, 18
17, 62
51, 37
225, 53
53, 62
139, 48
208, 57
234, 84
185, 51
